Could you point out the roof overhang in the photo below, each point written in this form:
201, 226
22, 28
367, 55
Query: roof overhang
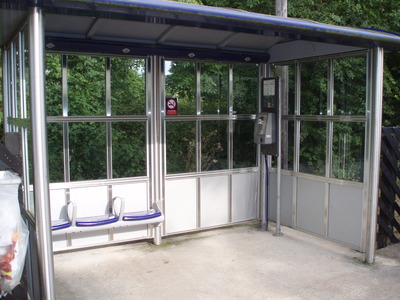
178, 29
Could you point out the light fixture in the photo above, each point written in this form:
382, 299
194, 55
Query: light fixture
126, 50
50, 45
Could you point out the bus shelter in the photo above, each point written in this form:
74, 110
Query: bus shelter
136, 121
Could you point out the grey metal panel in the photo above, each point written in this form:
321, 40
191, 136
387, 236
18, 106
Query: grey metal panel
310, 205
253, 41
286, 199
197, 36
284, 51
214, 202
130, 30
244, 197
77, 25
345, 214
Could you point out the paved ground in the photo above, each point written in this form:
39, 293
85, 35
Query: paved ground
240, 262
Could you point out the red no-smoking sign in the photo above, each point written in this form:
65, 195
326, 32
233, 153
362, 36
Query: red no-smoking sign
171, 105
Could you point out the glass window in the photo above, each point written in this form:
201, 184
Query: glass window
54, 85
86, 86
287, 145
214, 142
348, 151
30, 185
180, 83
214, 88
244, 148
128, 86
129, 149
314, 87
313, 148
87, 151
245, 89
287, 106
26, 72
18, 80
55, 151
349, 86
181, 147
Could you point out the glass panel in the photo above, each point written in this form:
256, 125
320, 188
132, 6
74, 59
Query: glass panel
26, 74
245, 89
214, 88
287, 107
181, 147
244, 148
214, 142
54, 85
18, 80
313, 148
129, 149
314, 87
287, 145
350, 86
128, 86
180, 83
348, 151
27, 135
87, 151
86, 86
55, 151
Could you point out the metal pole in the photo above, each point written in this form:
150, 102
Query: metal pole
280, 10
374, 127
279, 168
39, 149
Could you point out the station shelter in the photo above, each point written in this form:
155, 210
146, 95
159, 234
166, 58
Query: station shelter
136, 121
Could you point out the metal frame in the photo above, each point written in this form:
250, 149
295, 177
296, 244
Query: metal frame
39, 139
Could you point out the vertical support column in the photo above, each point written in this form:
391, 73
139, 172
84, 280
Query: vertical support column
156, 151
198, 143
264, 71
6, 87
280, 10
373, 144
40, 156
279, 159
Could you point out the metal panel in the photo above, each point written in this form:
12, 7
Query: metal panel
244, 197
180, 205
310, 205
286, 199
345, 214
58, 211
214, 202
90, 201
136, 199
129, 30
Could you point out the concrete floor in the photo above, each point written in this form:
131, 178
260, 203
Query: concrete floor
240, 262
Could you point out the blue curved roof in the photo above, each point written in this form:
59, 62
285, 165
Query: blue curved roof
172, 25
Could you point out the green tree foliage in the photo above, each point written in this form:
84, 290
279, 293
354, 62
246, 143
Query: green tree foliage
86, 97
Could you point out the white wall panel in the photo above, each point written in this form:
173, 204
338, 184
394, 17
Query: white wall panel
345, 214
180, 205
57, 204
214, 201
311, 205
90, 201
244, 196
136, 199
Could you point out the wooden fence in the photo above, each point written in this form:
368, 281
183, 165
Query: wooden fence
389, 188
